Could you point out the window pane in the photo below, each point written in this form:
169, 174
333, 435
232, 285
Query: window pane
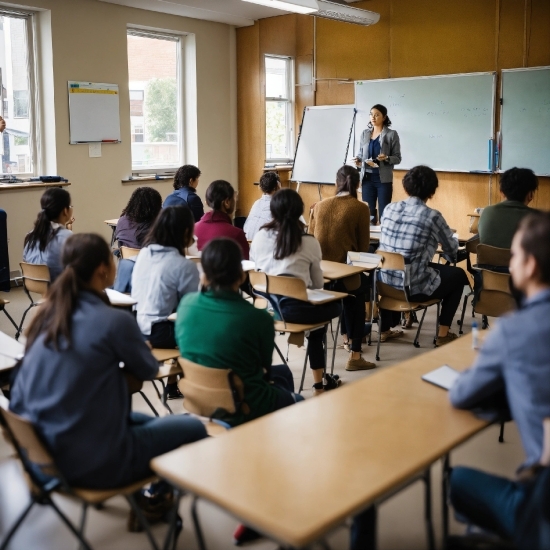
14, 77
276, 130
152, 67
276, 77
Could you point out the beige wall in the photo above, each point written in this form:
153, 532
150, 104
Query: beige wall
88, 42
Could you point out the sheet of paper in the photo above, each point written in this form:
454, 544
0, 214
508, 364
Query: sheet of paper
118, 298
444, 377
364, 259
248, 265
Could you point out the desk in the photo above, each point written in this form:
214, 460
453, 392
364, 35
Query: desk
295, 478
112, 224
12, 350
334, 271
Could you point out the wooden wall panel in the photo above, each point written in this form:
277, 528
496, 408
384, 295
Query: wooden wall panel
510, 41
539, 36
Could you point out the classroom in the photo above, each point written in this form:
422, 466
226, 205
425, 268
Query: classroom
377, 461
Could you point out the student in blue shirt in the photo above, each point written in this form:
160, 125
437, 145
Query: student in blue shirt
51, 229
71, 383
186, 181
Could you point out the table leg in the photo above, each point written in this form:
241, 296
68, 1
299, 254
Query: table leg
428, 509
172, 530
196, 525
444, 498
336, 340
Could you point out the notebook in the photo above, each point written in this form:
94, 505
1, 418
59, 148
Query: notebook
444, 377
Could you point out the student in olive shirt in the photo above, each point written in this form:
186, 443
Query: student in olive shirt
234, 334
498, 222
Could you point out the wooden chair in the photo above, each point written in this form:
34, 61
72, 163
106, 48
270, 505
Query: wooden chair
36, 460
3, 308
36, 278
397, 299
264, 286
471, 248
126, 252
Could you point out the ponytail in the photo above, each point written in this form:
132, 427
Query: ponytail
347, 180
82, 255
53, 202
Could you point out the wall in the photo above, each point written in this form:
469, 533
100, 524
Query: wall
86, 40
426, 37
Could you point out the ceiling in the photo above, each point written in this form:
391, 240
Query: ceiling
232, 12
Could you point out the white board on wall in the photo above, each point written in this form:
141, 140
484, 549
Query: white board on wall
445, 122
93, 112
525, 119
323, 144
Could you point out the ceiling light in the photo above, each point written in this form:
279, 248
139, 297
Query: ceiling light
296, 6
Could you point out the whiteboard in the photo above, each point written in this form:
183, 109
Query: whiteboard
525, 119
93, 112
322, 147
445, 122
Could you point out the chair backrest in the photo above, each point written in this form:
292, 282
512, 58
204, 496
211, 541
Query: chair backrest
391, 260
474, 224
36, 277
472, 244
208, 390
495, 298
282, 285
491, 255
126, 252
395, 262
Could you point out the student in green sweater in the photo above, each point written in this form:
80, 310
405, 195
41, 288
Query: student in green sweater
498, 222
235, 335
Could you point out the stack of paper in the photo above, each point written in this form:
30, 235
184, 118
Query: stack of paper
364, 259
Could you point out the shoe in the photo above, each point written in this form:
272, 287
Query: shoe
155, 507
359, 364
442, 340
244, 534
331, 382
390, 335
345, 345
173, 392
408, 320
318, 389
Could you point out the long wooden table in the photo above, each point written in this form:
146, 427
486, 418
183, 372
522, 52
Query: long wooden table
296, 474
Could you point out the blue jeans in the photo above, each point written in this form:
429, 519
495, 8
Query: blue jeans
488, 501
282, 378
373, 191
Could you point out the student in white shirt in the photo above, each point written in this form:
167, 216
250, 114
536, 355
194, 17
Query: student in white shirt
51, 229
260, 214
162, 276
282, 248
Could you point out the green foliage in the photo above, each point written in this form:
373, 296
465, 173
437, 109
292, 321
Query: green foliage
161, 113
276, 130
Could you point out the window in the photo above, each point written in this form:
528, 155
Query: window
155, 105
279, 108
17, 85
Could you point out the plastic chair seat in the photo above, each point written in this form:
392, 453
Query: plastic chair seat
96, 496
294, 328
398, 305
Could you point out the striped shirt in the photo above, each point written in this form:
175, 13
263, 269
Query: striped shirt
413, 229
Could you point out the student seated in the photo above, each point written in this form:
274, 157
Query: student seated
414, 230
71, 385
260, 213
233, 333
342, 224
513, 361
221, 197
44, 243
138, 216
162, 276
498, 222
186, 182
282, 248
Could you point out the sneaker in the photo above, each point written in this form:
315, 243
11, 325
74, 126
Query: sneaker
359, 364
173, 392
155, 508
408, 320
442, 340
244, 534
331, 382
318, 389
390, 335
345, 345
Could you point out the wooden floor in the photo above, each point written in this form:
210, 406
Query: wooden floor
401, 524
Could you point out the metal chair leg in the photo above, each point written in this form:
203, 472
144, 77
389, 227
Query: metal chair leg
20, 329
465, 303
10, 318
83, 522
379, 335
428, 509
501, 434
84, 544
146, 399
305, 367
196, 525
173, 533
437, 324
281, 355
446, 472
16, 525
415, 343
143, 521
334, 346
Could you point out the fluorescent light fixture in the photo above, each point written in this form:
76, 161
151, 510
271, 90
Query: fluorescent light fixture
296, 6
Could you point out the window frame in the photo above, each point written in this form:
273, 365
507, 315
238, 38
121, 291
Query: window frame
179, 39
33, 102
289, 100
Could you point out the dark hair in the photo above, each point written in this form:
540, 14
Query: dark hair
81, 255
269, 182
184, 175
52, 202
217, 192
173, 227
347, 179
384, 111
144, 205
535, 241
221, 262
421, 182
517, 183
286, 208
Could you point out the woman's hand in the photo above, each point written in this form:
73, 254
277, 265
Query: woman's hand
358, 162
69, 224
382, 157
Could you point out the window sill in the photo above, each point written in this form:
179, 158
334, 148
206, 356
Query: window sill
147, 178
31, 185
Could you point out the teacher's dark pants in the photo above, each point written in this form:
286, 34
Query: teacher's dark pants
376, 190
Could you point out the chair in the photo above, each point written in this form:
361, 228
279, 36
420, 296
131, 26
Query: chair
126, 252
264, 286
36, 278
471, 248
3, 308
29, 447
397, 299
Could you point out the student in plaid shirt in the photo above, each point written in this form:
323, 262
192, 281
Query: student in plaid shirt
413, 229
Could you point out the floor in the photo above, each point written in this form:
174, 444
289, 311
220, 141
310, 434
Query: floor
401, 524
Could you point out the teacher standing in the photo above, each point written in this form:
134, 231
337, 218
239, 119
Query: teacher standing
379, 151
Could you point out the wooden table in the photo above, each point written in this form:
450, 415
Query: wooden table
11, 352
296, 474
335, 271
